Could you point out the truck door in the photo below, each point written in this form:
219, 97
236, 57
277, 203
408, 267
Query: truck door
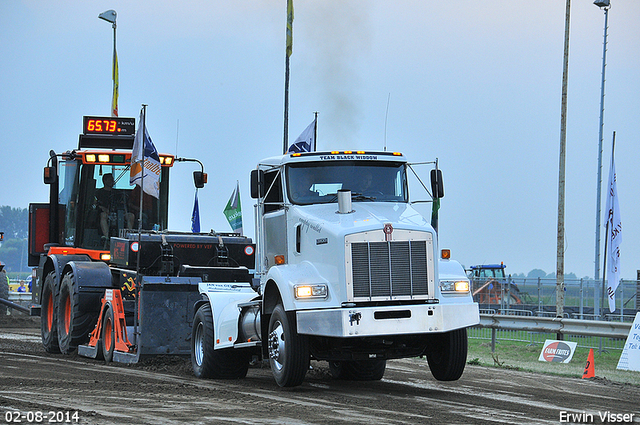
274, 226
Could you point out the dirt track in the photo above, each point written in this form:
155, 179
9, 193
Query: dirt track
164, 391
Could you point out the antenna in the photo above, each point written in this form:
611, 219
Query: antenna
385, 122
177, 132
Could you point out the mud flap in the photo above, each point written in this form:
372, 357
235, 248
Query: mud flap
165, 319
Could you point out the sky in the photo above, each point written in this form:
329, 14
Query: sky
476, 85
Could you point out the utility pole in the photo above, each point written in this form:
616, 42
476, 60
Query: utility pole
561, 175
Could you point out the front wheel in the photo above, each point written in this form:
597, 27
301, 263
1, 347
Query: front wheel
288, 351
447, 354
227, 363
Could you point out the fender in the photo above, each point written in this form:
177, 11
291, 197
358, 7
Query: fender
289, 275
224, 299
452, 270
56, 263
92, 278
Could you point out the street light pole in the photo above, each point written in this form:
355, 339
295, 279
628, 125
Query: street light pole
601, 4
110, 16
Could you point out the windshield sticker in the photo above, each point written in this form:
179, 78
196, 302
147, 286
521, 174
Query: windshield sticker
335, 157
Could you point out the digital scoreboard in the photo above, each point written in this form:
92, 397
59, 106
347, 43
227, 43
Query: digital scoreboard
107, 133
117, 126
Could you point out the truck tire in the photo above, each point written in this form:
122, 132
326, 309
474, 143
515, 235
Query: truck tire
108, 334
227, 363
288, 351
49, 314
359, 370
74, 324
447, 354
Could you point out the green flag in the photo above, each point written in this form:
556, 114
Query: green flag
233, 211
434, 213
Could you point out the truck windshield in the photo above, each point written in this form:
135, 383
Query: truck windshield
312, 183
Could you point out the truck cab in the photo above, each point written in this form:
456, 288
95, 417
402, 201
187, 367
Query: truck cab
349, 271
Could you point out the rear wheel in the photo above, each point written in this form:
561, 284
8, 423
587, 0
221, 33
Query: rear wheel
74, 325
108, 334
49, 314
288, 351
447, 354
227, 363
359, 370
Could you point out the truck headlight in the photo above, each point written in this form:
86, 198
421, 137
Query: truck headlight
310, 291
454, 286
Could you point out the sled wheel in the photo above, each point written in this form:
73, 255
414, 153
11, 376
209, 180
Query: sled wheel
108, 334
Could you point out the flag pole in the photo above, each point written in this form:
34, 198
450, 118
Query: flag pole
143, 130
289, 49
315, 129
286, 107
606, 241
604, 269
136, 319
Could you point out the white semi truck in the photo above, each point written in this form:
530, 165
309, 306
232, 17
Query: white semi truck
347, 271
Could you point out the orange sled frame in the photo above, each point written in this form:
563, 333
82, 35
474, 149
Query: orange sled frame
109, 337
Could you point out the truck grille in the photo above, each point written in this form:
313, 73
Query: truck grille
389, 269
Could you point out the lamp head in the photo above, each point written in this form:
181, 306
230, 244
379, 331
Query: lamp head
602, 3
109, 16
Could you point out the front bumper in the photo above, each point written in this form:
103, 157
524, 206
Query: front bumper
389, 320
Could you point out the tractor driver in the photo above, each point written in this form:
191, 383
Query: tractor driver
109, 200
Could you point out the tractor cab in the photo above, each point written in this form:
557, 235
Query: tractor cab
91, 199
98, 202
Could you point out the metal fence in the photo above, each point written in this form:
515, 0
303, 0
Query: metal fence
535, 330
583, 298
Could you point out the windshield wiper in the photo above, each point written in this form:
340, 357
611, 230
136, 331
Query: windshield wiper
361, 197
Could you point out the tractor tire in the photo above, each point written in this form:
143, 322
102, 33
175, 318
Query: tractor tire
4, 292
359, 370
108, 336
288, 351
49, 314
227, 363
447, 354
74, 324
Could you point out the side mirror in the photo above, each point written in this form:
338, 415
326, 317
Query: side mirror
437, 186
199, 179
257, 184
50, 175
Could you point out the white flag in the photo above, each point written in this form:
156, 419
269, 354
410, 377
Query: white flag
613, 238
306, 142
145, 153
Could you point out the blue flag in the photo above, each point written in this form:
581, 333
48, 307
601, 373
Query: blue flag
306, 141
195, 216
